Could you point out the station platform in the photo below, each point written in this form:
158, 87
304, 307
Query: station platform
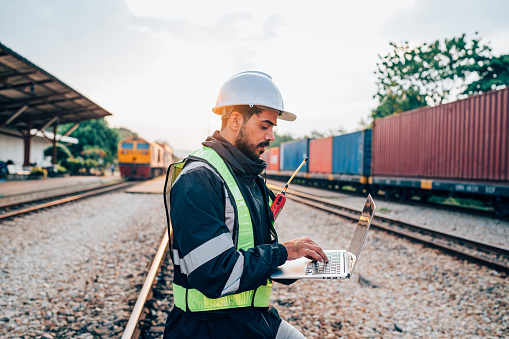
12, 192
152, 186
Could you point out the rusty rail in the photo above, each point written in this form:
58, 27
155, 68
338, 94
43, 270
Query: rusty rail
132, 330
476, 250
89, 193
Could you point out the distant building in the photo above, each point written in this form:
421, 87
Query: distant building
12, 147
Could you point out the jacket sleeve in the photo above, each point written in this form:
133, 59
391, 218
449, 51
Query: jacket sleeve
203, 247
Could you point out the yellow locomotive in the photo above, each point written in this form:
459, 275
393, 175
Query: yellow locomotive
140, 159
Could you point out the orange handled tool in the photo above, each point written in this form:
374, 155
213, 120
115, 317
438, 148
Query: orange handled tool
279, 202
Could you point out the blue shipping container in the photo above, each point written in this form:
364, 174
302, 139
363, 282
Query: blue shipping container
292, 154
351, 153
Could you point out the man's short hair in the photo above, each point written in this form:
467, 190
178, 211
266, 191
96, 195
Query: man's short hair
245, 111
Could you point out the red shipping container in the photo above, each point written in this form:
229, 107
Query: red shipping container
320, 155
466, 139
271, 157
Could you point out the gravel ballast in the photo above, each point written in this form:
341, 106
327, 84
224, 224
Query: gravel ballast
71, 271
75, 270
398, 288
488, 229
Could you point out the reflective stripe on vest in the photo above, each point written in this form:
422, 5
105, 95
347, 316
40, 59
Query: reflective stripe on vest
197, 301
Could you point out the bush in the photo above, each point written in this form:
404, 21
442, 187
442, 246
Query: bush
74, 165
63, 153
38, 172
90, 164
56, 171
61, 169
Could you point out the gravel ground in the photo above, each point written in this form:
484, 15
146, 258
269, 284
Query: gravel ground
398, 289
492, 230
70, 272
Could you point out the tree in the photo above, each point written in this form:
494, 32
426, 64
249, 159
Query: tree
434, 73
280, 138
493, 75
62, 152
124, 132
316, 134
97, 134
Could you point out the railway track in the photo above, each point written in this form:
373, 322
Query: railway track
489, 212
488, 254
473, 249
137, 326
34, 205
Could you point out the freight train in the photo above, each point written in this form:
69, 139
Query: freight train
140, 159
459, 149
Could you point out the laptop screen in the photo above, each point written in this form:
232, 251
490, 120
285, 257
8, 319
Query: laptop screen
362, 227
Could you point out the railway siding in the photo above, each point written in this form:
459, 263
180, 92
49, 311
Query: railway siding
491, 230
71, 271
399, 288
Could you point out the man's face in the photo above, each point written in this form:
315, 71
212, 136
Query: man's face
256, 134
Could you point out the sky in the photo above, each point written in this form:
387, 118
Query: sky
158, 65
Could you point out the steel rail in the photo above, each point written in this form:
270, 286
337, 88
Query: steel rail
132, 330
489, 254
54, 196
65, 200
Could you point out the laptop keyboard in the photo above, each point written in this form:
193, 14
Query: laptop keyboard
334, 266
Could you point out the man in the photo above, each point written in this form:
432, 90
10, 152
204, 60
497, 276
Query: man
224, 246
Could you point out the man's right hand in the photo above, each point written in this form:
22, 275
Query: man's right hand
304, 247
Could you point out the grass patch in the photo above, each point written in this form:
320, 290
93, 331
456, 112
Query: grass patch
384, 210
460, 202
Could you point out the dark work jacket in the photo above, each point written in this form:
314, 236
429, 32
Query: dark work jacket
197, 212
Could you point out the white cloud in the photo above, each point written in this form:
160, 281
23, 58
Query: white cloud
157, 65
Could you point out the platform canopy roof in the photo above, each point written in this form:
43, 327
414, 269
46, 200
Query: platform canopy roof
30, 97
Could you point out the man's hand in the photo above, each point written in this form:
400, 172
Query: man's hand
304, 247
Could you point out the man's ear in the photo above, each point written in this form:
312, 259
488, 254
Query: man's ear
235, 121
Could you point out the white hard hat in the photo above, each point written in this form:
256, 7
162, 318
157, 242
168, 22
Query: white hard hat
254, 89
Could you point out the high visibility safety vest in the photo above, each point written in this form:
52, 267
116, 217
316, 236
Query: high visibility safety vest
192, 299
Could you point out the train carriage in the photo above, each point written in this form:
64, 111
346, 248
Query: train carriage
140, 159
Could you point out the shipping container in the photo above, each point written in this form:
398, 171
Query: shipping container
320, 155
351, 153
292, 153
466, 140
271, 157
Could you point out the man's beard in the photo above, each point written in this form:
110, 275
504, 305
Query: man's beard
249, 149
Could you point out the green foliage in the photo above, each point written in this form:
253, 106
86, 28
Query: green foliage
124, 133
493, 75
94, 152
61, 169
280, 138
315, 134
90, 163
62, 152
433, 73
38, 172
95, 134
74, 165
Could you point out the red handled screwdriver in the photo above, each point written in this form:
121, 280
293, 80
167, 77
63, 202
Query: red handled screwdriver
280, 200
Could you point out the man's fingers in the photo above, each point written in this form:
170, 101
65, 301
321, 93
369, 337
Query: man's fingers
310, 254
304, 247
318, 250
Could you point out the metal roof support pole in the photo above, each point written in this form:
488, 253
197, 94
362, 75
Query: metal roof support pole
54, 158
28, 142
72, 129
14, 116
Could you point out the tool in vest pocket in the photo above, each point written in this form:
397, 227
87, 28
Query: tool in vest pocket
280, 200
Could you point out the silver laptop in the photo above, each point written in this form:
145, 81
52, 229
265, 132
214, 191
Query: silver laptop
341, 263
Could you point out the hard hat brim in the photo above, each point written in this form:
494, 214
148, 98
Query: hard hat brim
283, 115
287, 116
